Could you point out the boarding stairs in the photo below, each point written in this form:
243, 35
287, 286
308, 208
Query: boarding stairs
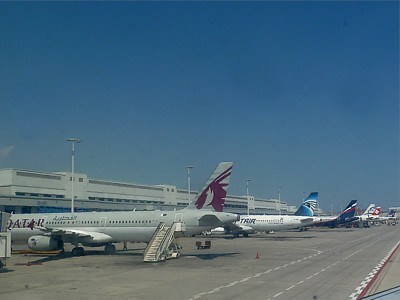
158, 247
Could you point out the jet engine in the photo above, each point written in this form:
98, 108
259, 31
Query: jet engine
44, 243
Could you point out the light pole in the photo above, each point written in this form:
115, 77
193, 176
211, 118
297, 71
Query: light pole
279, 198
189, 167
73, 141
247, 195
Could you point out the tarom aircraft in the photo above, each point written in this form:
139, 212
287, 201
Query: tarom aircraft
302, 218
367, 216
94, 229
346, 216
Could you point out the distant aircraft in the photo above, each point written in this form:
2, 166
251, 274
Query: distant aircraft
346, 216
302, 218
391, 216
93, 229
369, 215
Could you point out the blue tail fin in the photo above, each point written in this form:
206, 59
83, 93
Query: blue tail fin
348, 213
308, 206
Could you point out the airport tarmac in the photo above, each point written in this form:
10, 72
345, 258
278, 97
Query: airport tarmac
320, 263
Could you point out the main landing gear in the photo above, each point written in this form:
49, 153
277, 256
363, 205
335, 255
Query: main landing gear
110, 249
78, 251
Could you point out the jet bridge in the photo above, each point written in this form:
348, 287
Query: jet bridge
161, 246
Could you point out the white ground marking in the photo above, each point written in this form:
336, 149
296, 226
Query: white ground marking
284, 266
371, 275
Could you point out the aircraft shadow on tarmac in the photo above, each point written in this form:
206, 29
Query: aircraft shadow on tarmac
210, 256
38, 259
286, 238
272, 237
6, 270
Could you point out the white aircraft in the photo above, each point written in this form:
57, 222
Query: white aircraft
391, 218
93, 229
267, 223
378, 218
369, 215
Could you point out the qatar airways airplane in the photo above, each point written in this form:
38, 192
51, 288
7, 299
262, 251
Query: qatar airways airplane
94, 229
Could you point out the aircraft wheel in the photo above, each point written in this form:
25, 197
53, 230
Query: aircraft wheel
78, 251
81, 251
110, 249
74, 251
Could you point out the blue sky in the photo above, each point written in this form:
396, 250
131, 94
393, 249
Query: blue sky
302, 95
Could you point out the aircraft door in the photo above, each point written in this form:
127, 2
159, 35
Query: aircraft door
180, 227
102, 223
179, 217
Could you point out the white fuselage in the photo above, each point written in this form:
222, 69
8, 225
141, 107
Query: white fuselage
274, 223
131, 226
323, 219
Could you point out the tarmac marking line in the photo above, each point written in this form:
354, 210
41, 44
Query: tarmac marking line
365, 285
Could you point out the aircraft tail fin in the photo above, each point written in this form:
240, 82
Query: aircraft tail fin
377, 212
349, 212
212, 195
370, 209
391, 213
308, 206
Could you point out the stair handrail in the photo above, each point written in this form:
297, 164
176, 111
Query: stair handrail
153, 237
166, 241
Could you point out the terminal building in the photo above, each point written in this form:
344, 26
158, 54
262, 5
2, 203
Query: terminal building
23, 191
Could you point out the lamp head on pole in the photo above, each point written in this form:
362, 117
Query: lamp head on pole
189, 168
74, 140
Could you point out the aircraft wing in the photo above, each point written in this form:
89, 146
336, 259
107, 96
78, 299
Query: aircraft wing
308, 220
246, 228
75, 233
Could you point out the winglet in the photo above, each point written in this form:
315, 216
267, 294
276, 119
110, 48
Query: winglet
212, 195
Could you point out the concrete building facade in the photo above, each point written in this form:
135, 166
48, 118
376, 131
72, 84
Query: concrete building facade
23, 191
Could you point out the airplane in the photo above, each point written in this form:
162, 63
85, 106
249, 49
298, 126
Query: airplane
391, 216
302, 218
346, 216
93, 229
367, 216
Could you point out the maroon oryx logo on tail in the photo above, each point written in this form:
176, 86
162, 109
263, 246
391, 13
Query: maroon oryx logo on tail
215, 192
